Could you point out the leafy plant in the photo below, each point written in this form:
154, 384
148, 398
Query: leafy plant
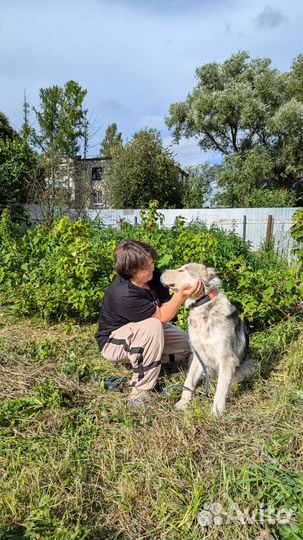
297, 234
63, 272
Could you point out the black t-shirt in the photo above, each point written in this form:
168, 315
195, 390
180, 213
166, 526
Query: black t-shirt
124, 302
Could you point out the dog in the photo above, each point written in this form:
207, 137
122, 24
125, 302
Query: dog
216, 333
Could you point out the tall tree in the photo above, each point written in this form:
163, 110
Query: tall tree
112, 140
26, 130
16, 163
252, 115
6, 130
141, 171
197, 187
62, 119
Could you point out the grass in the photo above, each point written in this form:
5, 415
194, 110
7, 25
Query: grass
75, 463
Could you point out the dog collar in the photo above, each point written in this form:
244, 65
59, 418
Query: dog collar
207, 298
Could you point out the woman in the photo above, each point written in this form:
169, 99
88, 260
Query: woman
134, 316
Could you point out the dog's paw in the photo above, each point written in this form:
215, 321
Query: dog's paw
182, 404
217, 412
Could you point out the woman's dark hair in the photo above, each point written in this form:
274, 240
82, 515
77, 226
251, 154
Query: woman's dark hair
131, 256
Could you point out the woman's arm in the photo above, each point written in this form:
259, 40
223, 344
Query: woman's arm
169, 310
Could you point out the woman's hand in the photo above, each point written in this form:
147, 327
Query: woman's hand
170, 309
192, 291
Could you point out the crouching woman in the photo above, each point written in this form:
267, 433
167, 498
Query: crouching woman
134, 318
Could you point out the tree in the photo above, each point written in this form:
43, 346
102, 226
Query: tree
62, 119
27, 132
6, 130
141, 171
197, 187
243, 180
16, 162
252, 115
112, 140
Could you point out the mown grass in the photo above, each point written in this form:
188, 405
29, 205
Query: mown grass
75, 463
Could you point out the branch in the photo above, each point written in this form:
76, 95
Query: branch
217, 145
234, 137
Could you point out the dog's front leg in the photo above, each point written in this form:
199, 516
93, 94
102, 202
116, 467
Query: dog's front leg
193, 377
225, 377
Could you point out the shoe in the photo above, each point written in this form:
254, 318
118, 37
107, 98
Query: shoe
138, 402
158, 388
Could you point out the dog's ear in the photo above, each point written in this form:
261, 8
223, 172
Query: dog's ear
210, 279
209, 274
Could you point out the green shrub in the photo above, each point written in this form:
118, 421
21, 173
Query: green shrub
10, 253
264, 295
58, 273
270, 345
292, 366
297, 234
64, 272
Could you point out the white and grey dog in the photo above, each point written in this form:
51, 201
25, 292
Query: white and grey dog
216, 333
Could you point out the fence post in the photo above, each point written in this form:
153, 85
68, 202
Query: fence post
136, 221
121, 223
244, 227
269, 232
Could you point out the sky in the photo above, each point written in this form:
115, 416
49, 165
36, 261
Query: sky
135, 57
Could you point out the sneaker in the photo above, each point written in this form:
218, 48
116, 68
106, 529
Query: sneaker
139, 402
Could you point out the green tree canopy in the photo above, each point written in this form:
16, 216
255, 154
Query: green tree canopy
112, 140
252, 115
62, 119
6, 130
141, 171
197, 186
16, 163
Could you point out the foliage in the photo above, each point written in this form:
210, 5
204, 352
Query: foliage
252, 115
112, 140
58, 273
51, 190
64, 271
6, 130
197, 186
253, 167
297, 234
264, 295
61, 118
143, 170
151, 217
10, 253
43, 350
16, 162
27, 130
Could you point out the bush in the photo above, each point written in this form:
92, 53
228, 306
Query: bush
264, 295
56, 273
64, 272
297, 234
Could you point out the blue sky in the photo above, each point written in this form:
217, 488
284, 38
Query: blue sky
135, 57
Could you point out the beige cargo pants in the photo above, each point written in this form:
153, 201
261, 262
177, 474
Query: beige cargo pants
146, 345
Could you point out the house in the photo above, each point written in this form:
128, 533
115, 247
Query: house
82, 180
183, 175
79, 182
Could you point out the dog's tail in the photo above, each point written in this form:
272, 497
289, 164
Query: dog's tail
247, 368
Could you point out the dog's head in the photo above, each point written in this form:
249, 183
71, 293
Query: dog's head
191, 273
